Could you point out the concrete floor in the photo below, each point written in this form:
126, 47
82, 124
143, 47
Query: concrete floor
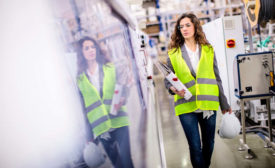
225, 153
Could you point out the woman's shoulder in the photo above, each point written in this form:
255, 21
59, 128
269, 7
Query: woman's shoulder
207, 47
109, 65
81, 76
173, 50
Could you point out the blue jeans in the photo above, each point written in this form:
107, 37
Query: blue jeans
200, 156
118, 148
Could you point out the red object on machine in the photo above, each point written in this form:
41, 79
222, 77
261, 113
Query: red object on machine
230, 43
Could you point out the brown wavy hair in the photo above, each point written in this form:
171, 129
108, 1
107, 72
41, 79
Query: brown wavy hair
177, 39
101, 57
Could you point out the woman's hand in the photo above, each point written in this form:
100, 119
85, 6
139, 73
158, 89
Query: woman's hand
180, 93
120, 104
227, 110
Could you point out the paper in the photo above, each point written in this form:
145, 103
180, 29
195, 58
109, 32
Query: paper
173, 79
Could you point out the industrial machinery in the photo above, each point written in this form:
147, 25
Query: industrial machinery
253, 75
254, 80
225, 34
244, 76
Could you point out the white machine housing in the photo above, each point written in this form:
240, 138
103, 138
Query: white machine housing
217, 33
252, 74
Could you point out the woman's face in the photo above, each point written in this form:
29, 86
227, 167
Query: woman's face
187, 28
89, 50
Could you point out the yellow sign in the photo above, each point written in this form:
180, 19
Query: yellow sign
252, 9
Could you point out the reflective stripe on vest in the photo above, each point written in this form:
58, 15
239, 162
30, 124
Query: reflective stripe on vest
108, 101
119, 114
97, 108
99, 121
93, 106
199, 97
204, 88
105, 118
190, 84
206, 81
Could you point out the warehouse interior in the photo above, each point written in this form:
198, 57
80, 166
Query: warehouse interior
49, 98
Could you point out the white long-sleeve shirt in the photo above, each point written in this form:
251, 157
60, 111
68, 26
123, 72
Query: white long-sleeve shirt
94, 79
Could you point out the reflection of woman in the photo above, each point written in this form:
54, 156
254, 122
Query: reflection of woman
96, 82
192, 59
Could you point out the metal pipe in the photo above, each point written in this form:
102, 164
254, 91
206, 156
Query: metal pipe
258, 131
76, 15
247, 149
269, 119
159, 132
258, 128
243, 120
250, 37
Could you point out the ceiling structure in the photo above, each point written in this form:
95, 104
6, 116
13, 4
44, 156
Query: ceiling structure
139, 7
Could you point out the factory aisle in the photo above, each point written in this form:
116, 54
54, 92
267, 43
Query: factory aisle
225, 153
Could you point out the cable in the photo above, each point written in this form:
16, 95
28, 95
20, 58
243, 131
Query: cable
259, 131
266, 10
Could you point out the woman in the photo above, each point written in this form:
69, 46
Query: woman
192, 59
96, 82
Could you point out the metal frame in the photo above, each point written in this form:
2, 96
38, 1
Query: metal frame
268, 141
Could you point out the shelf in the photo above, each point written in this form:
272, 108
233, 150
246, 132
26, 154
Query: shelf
228, 6
169, 18
153, 34
152, 23
204, 17
110, 31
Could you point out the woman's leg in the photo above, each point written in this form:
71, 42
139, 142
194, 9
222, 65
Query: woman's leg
110, 147
208, 127
121, 135
189, 123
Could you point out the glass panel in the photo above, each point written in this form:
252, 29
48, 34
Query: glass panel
107, 45
74, 88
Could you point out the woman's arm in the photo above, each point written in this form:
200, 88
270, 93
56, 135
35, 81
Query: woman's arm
166, 82
88, 129
222, 98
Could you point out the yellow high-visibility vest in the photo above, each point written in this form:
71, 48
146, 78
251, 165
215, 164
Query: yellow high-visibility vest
97, 108
204, 88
